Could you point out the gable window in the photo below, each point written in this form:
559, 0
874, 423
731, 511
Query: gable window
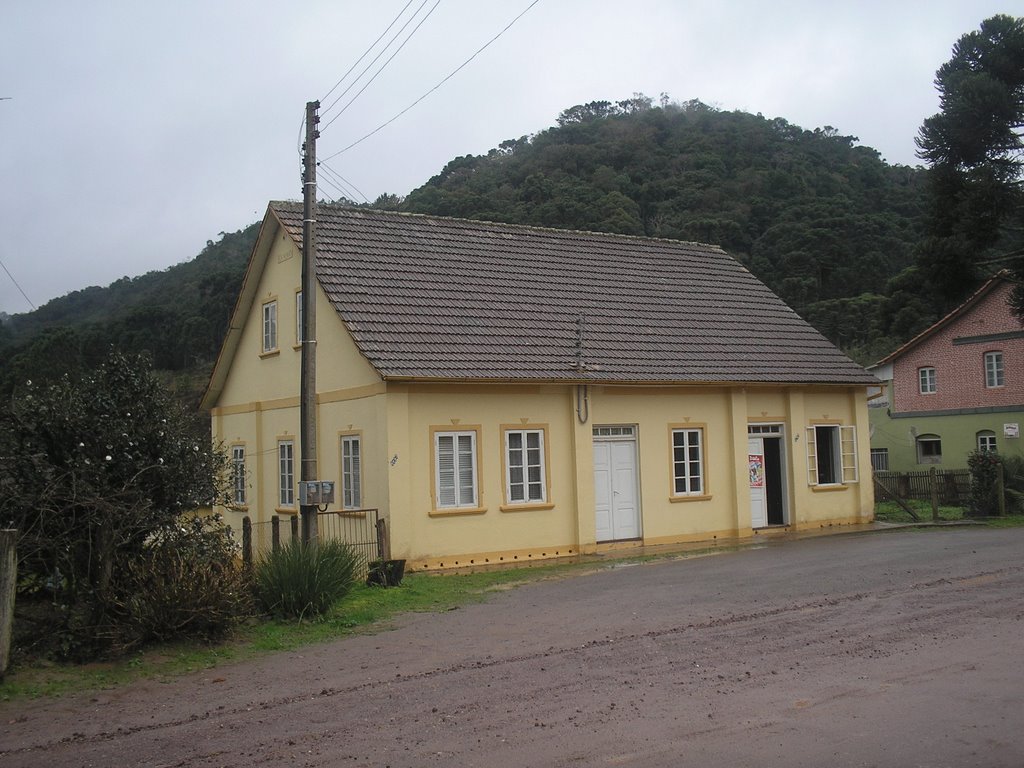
687, 462
270, 326
927, 383
831, 455
351, 479
524, 466
238, 474
298, 317
986, 441
994, 369
286, 473
455, 470
929, 449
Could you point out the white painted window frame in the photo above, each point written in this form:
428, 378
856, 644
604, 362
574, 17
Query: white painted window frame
531, 490
688, 434
270, 326
286, 473
454, 459
351, 472
927, 380
842, 443
994, 371
238, 477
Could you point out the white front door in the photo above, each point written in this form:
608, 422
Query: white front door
758, 497
615, 490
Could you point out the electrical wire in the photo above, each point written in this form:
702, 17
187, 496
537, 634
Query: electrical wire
383, 66
302, 123
333, 174
16, 285
372, 46
445, 80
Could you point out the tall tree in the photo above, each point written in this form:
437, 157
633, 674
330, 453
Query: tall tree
976, 153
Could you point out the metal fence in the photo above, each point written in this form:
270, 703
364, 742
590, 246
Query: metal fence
361, 529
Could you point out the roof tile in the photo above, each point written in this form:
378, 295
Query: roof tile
430, 297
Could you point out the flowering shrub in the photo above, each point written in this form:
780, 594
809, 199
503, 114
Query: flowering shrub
93, 471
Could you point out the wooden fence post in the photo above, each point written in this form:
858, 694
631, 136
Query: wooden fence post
383, 545
275, 533
933, 485
8, 581
247, 542
295, 527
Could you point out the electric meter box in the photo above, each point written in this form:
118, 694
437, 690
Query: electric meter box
315, 492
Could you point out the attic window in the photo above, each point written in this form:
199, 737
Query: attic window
270, 326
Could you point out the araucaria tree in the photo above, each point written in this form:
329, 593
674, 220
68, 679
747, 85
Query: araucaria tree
975, 150
94, 473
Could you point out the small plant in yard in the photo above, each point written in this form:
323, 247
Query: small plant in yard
189, 584
302, 581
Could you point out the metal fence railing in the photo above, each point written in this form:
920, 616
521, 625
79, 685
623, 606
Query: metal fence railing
361, 529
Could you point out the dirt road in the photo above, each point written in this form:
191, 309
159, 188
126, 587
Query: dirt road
897, 649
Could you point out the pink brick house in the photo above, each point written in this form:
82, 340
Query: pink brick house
956, 387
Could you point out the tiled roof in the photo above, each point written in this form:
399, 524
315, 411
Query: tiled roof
437, 298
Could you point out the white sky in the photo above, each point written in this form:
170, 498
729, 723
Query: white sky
133, 132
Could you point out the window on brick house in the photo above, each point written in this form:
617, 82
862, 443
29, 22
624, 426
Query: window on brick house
993, 369
927, 383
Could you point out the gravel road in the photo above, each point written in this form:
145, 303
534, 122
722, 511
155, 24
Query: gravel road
884, 649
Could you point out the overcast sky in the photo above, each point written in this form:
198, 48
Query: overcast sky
133, 132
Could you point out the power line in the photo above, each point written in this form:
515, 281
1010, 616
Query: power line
302, 123
16, 285
384, 65
372, 46
333, 174
445, 80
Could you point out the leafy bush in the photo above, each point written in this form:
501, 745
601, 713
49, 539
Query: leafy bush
985, 468
300, 580
94, 469
189, 583
1013, 475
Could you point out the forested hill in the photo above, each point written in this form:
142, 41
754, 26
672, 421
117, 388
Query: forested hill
179, 316
824, 222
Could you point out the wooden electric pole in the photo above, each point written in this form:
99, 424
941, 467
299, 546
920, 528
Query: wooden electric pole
307, 394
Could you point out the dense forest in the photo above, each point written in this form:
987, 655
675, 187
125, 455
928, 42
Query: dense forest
824, 222
177, 316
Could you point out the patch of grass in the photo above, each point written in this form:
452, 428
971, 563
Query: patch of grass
363, 609
891, 512
1010, 521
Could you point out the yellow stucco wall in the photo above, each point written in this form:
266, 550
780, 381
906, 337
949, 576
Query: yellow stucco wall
258, 405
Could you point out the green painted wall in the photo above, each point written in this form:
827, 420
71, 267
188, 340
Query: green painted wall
958, 433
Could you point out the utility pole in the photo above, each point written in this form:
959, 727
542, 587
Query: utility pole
307, 393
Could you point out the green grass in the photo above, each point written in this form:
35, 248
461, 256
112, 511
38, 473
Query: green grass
363, 609
891, 512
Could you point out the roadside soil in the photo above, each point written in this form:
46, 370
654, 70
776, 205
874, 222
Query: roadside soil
885, 649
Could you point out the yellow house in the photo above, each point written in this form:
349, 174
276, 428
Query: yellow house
503, 393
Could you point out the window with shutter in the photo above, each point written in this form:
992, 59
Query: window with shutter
351, 479
455, 473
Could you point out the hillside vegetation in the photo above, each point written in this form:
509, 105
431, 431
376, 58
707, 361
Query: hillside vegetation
824, 222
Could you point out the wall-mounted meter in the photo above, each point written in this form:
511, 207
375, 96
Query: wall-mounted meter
316, 492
